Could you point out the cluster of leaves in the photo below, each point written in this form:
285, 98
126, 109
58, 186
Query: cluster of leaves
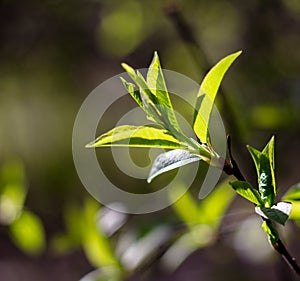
152, 96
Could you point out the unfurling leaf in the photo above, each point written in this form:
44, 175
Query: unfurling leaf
264, 163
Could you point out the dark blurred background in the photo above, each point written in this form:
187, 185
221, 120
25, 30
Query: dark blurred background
54, 53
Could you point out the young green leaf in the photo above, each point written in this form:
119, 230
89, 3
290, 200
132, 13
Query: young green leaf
133, 92
138, 136
247, 191
157, 85
278, 213
148, 99
171, 160
207, 93
264, 163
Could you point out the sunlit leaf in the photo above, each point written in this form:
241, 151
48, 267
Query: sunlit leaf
133, 92
278, 213
206, 96
149, 100
28, 233
247, 191
171, 160
157, 85
138, 136
96, 245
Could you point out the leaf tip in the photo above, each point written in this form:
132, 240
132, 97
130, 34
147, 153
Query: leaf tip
90, 145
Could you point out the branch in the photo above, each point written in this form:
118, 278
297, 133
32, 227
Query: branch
231, 168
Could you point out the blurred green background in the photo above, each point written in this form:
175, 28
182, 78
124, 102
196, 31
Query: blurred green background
54, 53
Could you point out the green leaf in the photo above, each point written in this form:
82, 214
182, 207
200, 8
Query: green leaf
148, 98
96, 245
206, 96
133, 92
271, 231
264, 163
278, 213
212, 208
293, 194
171, 160
269, 152
28, 233
295, 213
186, 207
138, 136
157, 85
247, 191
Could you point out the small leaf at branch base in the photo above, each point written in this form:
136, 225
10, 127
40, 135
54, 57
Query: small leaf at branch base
171, 160
247, 191
278, 213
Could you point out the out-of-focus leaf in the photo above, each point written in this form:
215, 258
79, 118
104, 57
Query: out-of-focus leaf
95, 244
142, 249
171, 160
157, 85
267, 116
121, 29
295, 213
278, 213
264, 162
198, 236
28, 233
12, 191
138, 136
206, 96
213, 207
247, 191
186, 207
293, 194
